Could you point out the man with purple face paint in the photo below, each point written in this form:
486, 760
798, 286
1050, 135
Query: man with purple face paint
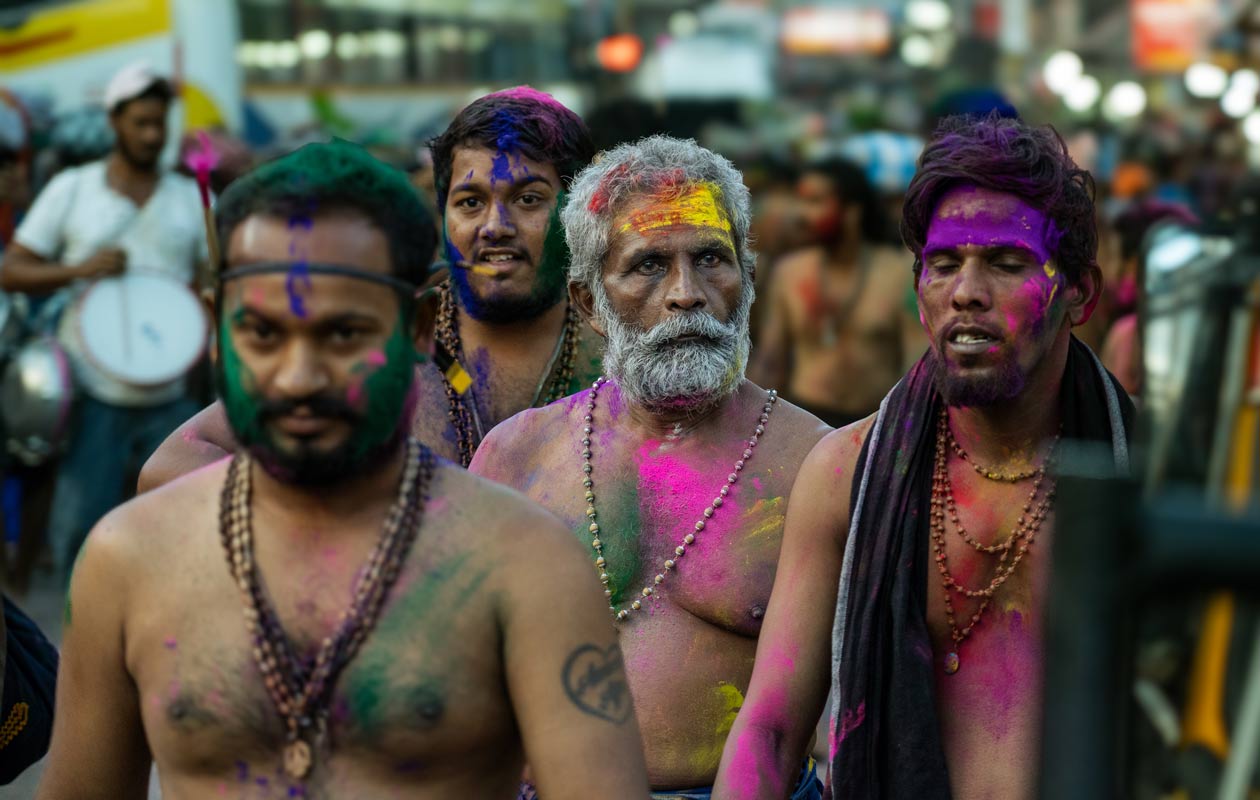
917, 539
672, 470
504, 335
317, 617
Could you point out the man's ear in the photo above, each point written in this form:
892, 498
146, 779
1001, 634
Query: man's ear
424, 319
208, 303
584, 301
1083, 296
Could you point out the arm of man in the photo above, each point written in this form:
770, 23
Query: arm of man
98, 744
28, 264
792, 672
24, 270
772, 357
565, 673
202, 440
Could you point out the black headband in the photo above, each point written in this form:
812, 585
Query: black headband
272, 267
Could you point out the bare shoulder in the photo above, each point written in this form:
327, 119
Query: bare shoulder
525, 437
834, 458
799, 429
155, 530
496, 518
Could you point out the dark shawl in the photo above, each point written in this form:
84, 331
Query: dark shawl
884, 732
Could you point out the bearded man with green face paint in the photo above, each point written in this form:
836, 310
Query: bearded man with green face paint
503, 332
316, 617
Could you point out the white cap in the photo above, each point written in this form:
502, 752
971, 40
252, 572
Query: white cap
130, 82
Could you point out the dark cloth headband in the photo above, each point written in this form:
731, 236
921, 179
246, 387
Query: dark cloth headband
272, 267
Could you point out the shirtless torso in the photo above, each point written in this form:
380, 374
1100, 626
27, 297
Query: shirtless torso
689, 651
840, 337
435, 705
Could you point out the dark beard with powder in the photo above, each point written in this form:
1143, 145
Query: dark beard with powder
980, 392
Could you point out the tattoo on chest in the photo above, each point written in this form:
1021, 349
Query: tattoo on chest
594, 679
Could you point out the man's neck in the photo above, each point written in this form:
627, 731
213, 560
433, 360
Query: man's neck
537, 334
123, 173
331, 507
844, 255
1014, 431
679, 423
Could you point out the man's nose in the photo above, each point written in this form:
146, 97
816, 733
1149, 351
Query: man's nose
685, 291
301, 372
971, 287
499, 223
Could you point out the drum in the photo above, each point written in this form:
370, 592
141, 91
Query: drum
143, 330
36, 393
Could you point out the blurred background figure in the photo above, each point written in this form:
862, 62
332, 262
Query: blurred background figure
121, 215
840, 322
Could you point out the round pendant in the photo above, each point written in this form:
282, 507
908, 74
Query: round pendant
297, 759
951, 663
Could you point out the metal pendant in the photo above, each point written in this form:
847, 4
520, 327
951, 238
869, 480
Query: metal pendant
952, 663
297, 759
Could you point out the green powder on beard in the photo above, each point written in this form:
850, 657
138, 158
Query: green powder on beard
553, 270
386, 390
236, 385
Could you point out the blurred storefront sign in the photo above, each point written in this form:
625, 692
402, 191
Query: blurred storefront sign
1169, 35
836, 31
708, 67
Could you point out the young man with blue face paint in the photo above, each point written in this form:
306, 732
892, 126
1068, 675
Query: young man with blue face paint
504, 336
914, 573
317, 617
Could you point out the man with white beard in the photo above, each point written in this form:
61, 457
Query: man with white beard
673, 469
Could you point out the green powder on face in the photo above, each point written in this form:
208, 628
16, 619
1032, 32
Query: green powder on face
386, 390
553, 269
236, 387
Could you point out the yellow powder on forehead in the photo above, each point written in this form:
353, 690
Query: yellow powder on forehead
698, 207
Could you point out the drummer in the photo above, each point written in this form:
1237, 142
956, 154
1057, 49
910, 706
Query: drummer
123, 213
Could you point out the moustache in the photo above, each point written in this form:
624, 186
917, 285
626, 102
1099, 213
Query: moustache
319, 405
699, 324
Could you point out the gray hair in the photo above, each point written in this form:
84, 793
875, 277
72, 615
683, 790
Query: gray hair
650, 165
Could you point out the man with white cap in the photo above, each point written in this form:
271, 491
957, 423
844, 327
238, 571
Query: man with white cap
120, 214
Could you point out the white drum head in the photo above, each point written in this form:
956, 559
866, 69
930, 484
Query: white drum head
142, 329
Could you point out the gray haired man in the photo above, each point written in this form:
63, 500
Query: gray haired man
673, 469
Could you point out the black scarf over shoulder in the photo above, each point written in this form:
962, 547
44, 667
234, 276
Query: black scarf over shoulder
884, 729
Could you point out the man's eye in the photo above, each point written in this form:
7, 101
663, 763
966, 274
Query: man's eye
649, 267
1010, 266
709, 260
343, 334
943, 266
529, 199
260, 332
468, 202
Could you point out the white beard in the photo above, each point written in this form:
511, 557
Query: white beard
659, 373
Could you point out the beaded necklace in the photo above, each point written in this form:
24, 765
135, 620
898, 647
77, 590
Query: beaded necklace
301, 690
588, 483
460, 402
943, 505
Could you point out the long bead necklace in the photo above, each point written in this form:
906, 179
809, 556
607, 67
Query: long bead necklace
461, 407
943, 505
588, 483
301, 691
